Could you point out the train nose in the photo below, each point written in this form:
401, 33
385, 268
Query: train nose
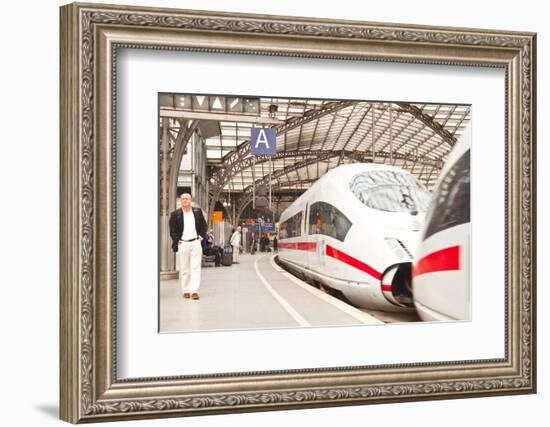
397, 284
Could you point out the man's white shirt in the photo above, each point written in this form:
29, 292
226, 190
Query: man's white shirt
189, 228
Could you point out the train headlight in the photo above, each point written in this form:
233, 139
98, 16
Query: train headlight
398, 248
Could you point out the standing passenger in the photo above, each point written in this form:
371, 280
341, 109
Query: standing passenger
253, 244
236, 244
187, 229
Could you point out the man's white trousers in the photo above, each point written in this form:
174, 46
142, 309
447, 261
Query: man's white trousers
190, 254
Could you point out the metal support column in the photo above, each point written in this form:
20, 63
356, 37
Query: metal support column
270, 169
254, 183
167, 256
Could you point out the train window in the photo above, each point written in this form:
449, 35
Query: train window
390, 191
326, 219
451, 204
292, 227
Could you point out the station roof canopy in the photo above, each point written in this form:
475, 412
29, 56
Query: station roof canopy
315, 135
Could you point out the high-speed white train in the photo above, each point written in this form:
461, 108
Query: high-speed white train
354, 231
441, 272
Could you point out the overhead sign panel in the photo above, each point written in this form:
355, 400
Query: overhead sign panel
217, 216
266, 227
211, 103
263, 141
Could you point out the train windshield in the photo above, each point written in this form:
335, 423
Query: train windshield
451, 205
390, 191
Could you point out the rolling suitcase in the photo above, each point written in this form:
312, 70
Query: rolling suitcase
227, 255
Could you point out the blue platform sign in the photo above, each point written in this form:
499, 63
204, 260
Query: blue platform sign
266, 227
263, 141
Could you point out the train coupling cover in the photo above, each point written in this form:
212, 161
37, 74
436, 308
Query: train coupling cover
396, 284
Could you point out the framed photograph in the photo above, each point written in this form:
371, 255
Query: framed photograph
255, 164
267, 212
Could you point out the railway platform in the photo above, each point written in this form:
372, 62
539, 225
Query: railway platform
255, 294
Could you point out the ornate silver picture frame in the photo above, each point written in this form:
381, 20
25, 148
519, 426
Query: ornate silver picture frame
91, 37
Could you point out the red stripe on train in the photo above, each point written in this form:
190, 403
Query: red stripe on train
306, 246
345, 258
301, 246
336, 254
447, 259
287, 245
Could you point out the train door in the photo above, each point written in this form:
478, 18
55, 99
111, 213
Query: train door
305, 224
309, 238
301, 256
320, 246
316, 238
320, 252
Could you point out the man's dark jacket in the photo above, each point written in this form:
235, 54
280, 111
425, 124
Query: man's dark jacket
176, 225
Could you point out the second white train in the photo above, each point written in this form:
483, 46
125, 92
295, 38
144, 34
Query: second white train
354, 232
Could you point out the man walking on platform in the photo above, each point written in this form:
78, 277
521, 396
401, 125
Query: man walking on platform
187, 229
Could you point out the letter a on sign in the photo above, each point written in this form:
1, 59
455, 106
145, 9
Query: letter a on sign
263, 141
